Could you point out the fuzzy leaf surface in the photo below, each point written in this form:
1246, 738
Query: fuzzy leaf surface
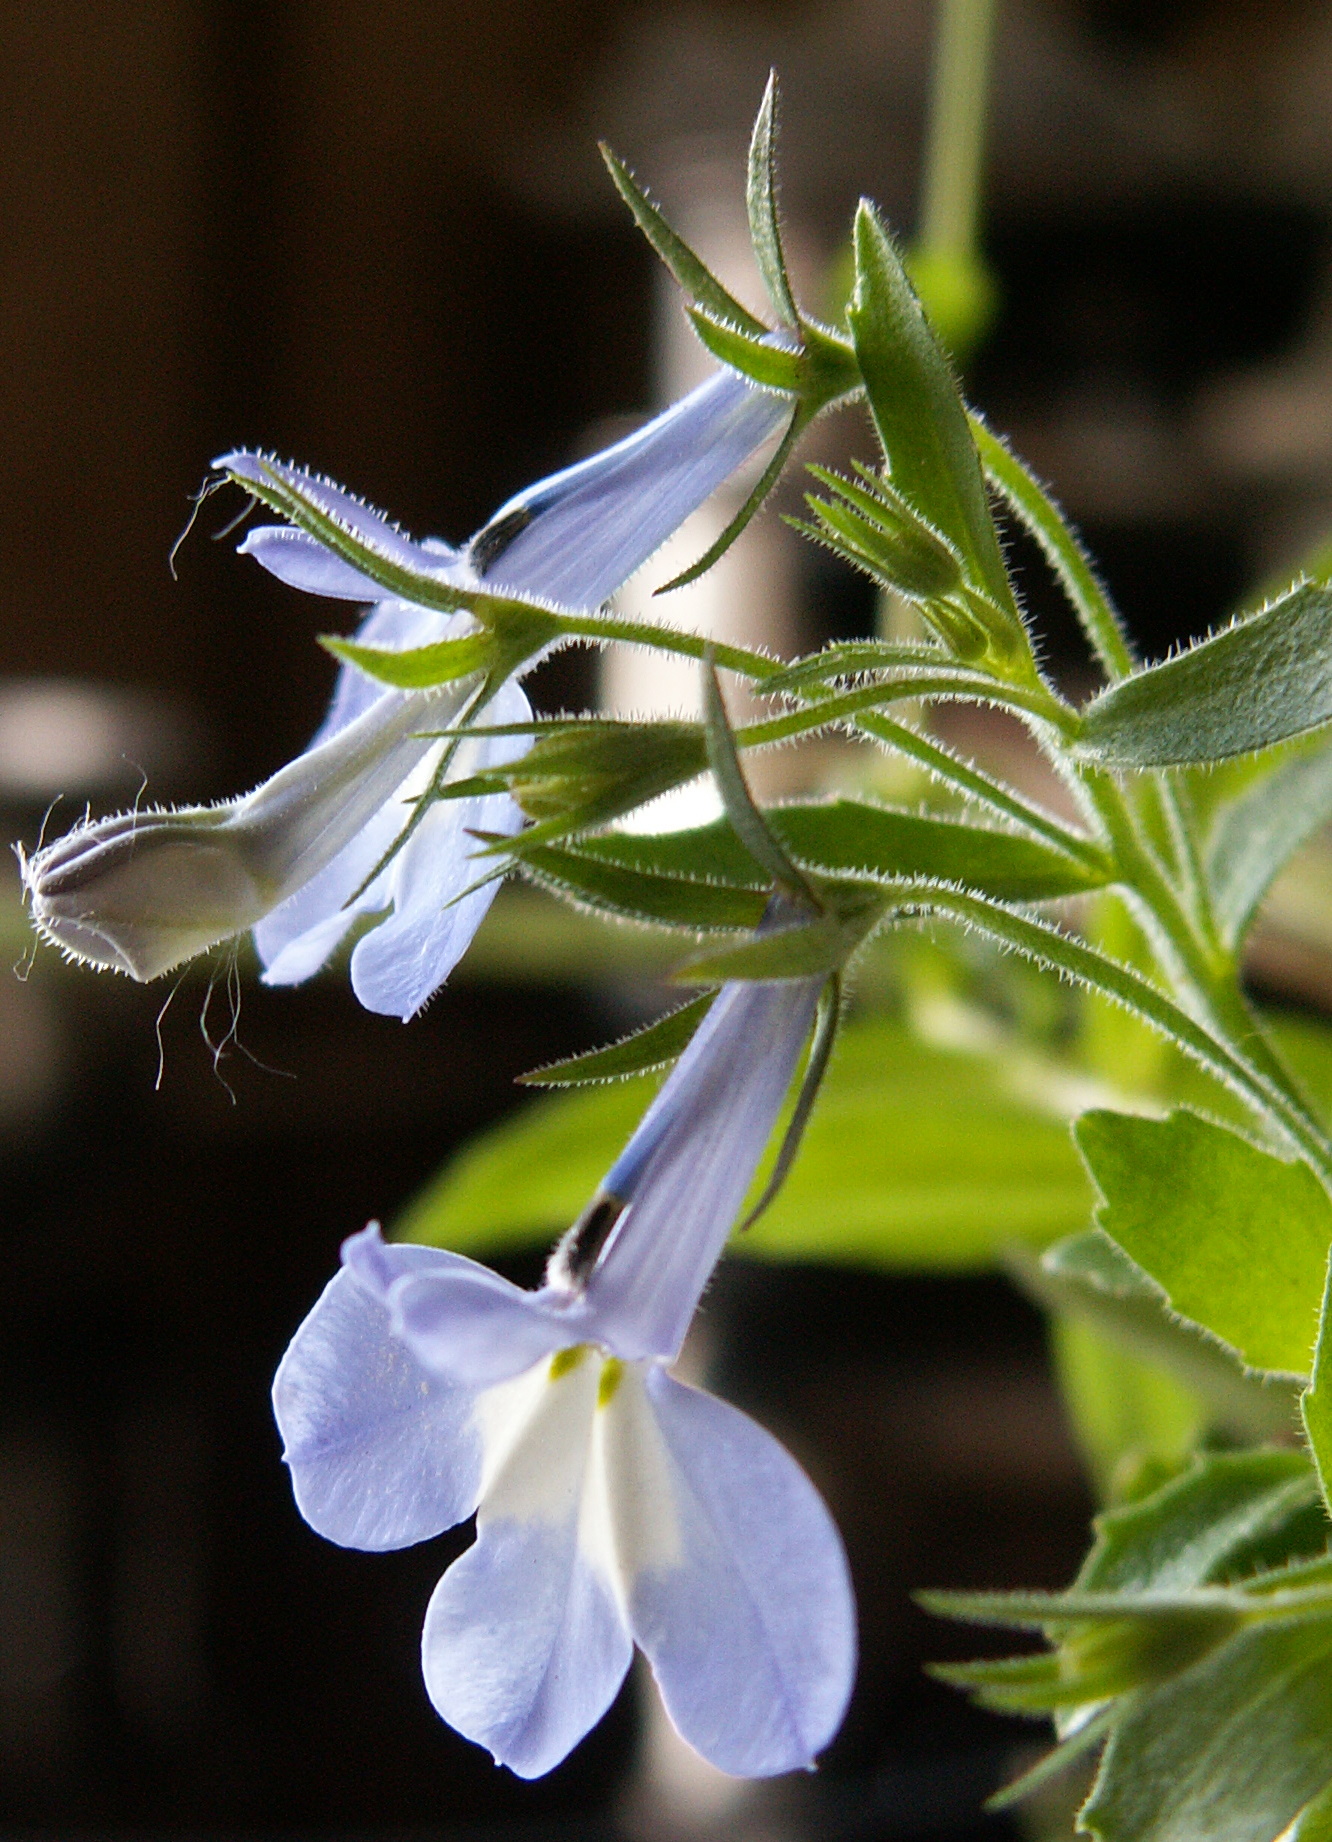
1237, 1238
1259, 682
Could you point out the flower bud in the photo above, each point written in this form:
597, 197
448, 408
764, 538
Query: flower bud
142, 891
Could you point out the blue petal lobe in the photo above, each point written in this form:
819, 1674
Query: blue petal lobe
374, 530
461, 1322
301, 561
382, 1454
397, 967
751, 1636
589, 528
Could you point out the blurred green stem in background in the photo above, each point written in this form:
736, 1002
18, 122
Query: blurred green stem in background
946, 266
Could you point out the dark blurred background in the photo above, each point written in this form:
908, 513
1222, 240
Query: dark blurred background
378, 238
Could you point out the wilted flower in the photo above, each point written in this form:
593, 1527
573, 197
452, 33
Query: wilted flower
614, 1504
313, 848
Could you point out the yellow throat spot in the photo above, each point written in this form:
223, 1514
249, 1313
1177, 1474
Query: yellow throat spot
563, 1362
611, 1372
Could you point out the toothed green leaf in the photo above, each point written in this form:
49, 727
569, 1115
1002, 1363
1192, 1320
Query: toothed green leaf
1204, 1212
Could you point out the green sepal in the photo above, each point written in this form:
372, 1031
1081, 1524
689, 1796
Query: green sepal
919, 414
811, 949
580, 775
776, 367
800, 420
761, 204
655, 1045
1257, 683
1203, 1210
747, 821
692, 273
816, 1068
421, 667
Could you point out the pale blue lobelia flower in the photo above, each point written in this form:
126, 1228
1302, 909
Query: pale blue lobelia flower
570, 540
614, 1504
331, 838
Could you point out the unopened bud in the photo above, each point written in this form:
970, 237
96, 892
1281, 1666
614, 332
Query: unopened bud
143, 891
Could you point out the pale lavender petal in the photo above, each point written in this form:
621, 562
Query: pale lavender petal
524, 1644
301, 561
400, 964
295, 939
752, 1634
581, 533
460, 1321
382, 1453
524, 1647
685, 1171
371, 527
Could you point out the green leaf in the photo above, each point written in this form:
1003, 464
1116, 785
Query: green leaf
774, 366
915, 1158
1255, 834
666, 901
693, 275
1088, 1279
1314, 1823
853, 838
809, 949
917, 410
1232, 1749
710, 852
1257, 683
1126, 1414
420, 667
655, 1045
1225, 1517
1237, 1238
1316, 1405
761, 204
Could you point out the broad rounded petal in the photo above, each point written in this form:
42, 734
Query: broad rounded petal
301, 561
583, 532
751, 1630
524, 1644
382, 1454
460, 1320
400, 964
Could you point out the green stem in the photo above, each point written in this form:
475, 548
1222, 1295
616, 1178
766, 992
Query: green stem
1203, 976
